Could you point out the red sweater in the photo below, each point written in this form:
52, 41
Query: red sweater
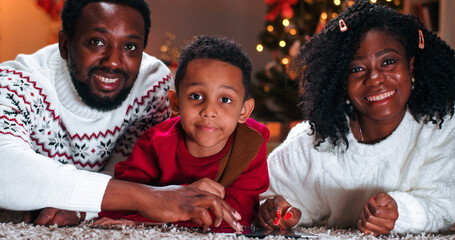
160, 158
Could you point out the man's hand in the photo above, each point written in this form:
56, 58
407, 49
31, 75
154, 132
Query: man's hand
169, 204
52, 216
379, 215
277, 213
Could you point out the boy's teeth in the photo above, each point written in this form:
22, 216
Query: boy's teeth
106, 80
380, 96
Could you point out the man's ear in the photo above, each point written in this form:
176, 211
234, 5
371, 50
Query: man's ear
173, 102
247, 109
63, 44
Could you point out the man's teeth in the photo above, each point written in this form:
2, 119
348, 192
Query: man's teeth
106, 80
381, 96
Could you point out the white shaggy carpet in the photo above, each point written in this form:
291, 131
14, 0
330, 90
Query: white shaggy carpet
12, 228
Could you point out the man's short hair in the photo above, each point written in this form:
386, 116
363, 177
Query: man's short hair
72, 10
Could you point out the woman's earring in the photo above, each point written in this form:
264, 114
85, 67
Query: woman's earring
413, 80
347, 102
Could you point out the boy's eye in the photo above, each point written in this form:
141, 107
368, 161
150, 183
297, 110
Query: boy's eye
195, 96
130, 47
226, 100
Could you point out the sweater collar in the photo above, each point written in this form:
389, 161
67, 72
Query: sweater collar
67, 93
395, 140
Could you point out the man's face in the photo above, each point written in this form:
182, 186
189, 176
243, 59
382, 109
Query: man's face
105, 53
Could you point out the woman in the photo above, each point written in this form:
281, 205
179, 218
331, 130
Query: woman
377, 147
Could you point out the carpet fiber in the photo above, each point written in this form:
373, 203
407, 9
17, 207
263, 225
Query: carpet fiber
12, 228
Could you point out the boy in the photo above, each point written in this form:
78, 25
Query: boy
213, 141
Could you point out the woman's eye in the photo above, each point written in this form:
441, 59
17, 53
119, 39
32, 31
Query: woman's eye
388, 61
356, 69
226, 100
96, 42
195, 96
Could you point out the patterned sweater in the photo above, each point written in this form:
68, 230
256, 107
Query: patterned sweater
47, 134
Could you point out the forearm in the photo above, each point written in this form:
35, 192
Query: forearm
32, 181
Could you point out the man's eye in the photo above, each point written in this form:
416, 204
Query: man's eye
226, 100
196, 96
96, 42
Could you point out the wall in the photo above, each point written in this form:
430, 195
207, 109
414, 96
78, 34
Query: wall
24, 28
241, 20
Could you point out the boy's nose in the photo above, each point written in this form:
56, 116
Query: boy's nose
209, 111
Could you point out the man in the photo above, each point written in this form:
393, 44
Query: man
80, 103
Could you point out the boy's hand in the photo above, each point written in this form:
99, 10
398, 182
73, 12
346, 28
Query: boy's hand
379, 215
51, 216
208, 185
109, 221
277, 213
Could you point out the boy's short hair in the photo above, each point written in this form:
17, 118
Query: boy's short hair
217, 48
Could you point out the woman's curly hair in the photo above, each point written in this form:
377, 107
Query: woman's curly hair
323, 62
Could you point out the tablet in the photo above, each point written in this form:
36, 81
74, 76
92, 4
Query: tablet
262, 233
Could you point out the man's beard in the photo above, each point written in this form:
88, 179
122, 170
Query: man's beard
92, 100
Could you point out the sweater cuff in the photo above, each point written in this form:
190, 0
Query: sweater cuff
412, 217
89, 191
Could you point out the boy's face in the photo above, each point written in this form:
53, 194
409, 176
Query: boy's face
210, 104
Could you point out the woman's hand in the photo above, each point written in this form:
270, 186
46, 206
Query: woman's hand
277, 213
379, 215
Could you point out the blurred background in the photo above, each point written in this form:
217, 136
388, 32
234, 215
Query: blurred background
270, 31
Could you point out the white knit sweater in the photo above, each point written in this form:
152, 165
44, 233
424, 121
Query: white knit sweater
415, 165
47, 134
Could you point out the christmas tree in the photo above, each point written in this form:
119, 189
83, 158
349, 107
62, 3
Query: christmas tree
288, 25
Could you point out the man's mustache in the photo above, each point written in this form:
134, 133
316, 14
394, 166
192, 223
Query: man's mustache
109, 71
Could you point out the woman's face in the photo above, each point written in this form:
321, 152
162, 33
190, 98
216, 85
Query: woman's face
379, 79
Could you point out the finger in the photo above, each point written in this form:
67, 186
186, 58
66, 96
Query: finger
264, 216
372, 223
262, 222
30, 216
45, 216
383, 216
65, 218
291, 217
364, 230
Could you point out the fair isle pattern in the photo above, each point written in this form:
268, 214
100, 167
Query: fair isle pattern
27, 113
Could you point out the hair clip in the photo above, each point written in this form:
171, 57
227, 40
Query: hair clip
421, 40
343, 26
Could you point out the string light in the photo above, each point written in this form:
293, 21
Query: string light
285, 61
350, 3
334, 15
324, 15
259, 47
373, 1
389, 0
270, 28
337, 2
293, 31
285, 22
282, 43
397, 2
